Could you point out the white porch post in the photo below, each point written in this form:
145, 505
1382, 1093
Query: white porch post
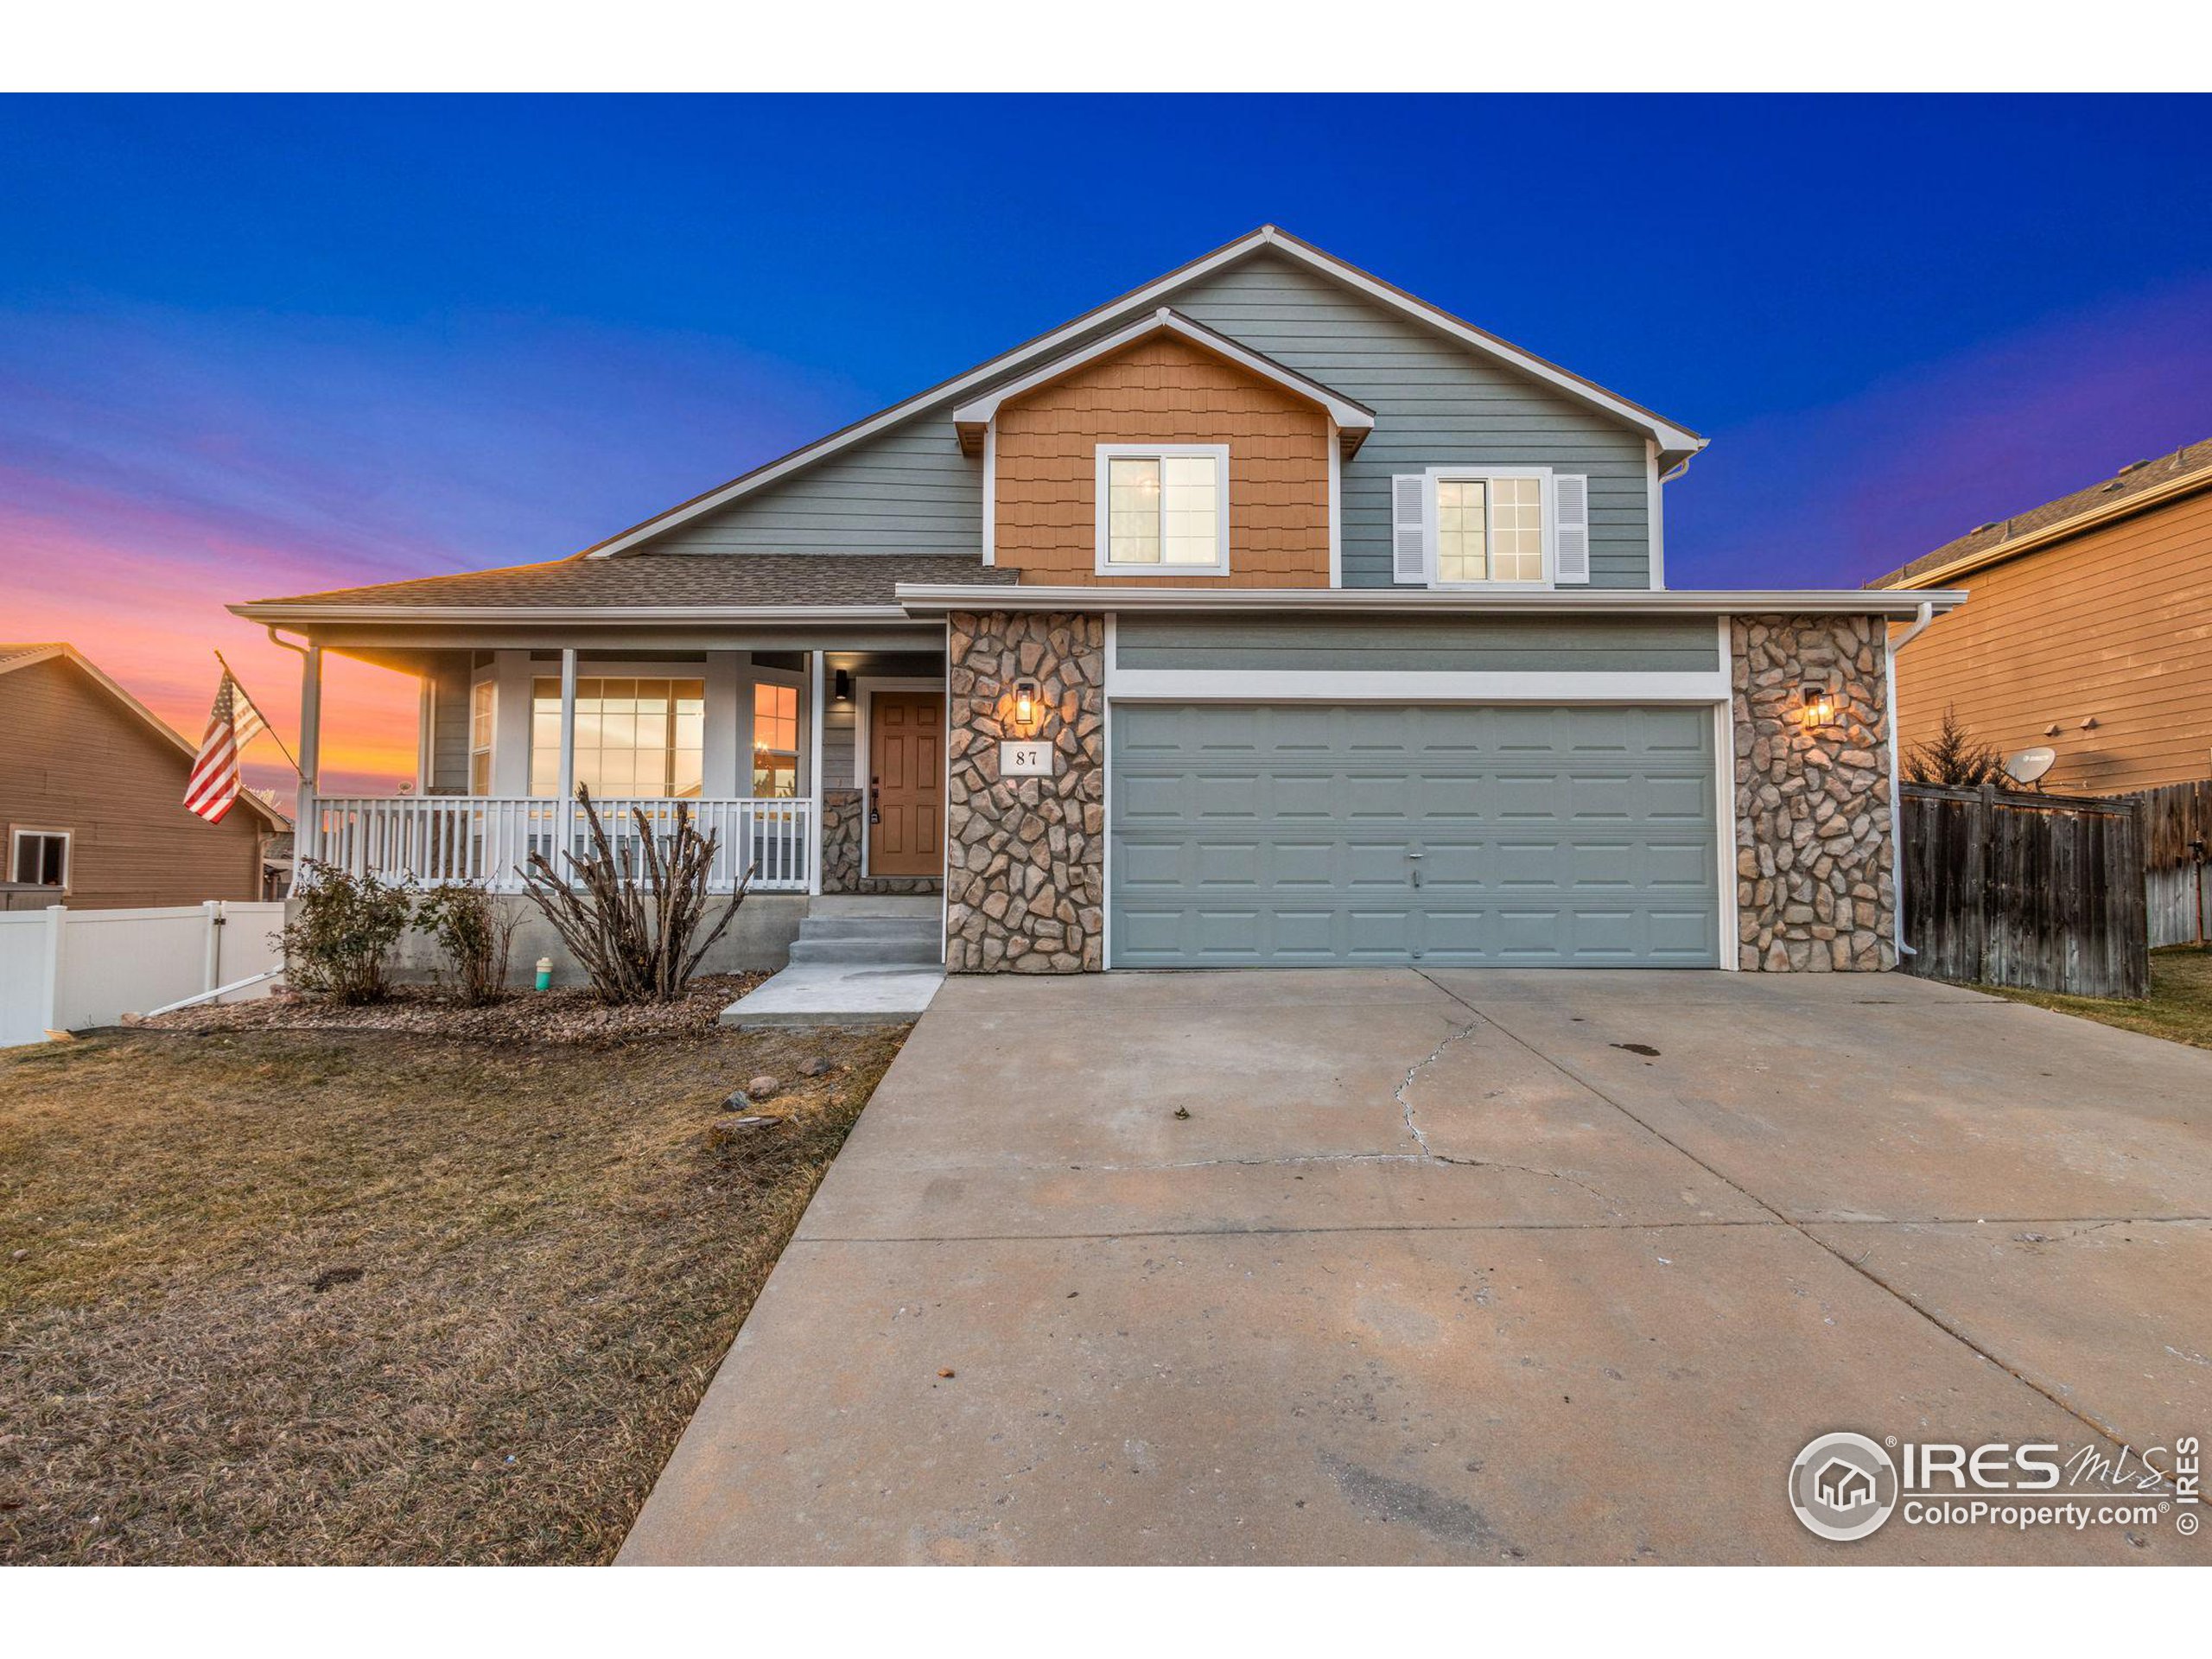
307, 840
814, 777
565, 790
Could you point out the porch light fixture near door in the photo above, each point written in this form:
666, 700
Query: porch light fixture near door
841, 685
1025, 706
1815, 704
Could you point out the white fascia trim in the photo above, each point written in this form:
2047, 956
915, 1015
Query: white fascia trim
592, 614
1670, 436
991, 495
1240, 685
1349, 416
1336, 509
1656, 527
931, 600
1106, 453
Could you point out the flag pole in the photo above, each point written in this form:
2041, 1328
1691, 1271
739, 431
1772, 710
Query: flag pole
266, 725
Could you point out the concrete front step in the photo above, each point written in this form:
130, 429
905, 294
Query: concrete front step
870, 927
928, 904
888, 950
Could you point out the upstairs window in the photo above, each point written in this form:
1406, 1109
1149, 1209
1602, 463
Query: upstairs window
1516, 527
1163, 510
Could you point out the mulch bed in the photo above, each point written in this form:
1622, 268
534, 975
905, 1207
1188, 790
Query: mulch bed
563, 1016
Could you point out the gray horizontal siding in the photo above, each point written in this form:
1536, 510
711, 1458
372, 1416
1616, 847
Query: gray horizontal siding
449, 725
1372, 645
1436, 404
910, 490
841, 720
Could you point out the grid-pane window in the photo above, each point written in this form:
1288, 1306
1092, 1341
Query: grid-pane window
643, 738
480, 698
775, 740
1517, 529
1164, 511
1462, 532
39, 857
1489, 530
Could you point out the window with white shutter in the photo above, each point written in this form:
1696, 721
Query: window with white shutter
1409, 528
1571, 500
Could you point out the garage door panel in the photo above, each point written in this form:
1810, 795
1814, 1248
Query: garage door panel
1574, 834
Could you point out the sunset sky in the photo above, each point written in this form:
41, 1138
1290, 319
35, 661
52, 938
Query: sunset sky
259, 346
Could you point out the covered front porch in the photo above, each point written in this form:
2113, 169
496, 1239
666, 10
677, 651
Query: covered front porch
816, 764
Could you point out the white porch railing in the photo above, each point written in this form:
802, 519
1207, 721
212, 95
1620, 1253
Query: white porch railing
488, 839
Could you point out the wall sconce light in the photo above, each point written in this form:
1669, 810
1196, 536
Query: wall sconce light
843, 684
1815, 704
1025, 704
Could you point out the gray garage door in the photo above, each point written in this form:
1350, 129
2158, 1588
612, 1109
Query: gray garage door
1286, 835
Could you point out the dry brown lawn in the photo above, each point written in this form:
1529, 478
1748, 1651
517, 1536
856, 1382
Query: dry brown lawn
2179, 1007
297, 1296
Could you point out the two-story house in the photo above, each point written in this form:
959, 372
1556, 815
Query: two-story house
2090, 633
1265, 616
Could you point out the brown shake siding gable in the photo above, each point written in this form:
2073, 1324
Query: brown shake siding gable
1164, 390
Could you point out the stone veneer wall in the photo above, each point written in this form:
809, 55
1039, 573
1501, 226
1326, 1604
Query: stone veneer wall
844, 821
1025, 857
1815, 885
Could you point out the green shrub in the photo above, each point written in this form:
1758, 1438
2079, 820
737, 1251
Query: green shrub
341, 941
474, 933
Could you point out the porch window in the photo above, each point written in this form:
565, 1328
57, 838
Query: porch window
39, 858
775, 739
480, 737
635, 737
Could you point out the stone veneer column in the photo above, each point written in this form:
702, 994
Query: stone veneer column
1025, 857
1815, 885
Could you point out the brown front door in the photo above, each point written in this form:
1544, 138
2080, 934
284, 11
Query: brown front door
906, 763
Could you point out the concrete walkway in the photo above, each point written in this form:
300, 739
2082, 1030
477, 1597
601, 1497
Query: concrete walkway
1457, 1267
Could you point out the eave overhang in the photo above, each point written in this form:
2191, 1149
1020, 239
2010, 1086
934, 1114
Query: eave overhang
921, 599
1353, 419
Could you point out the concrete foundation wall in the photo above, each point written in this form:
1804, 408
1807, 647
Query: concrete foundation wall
759, 940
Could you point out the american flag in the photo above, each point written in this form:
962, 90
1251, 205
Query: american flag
231, 725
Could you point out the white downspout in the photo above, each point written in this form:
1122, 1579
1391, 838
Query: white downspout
1891, 645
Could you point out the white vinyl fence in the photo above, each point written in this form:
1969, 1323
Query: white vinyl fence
62, 970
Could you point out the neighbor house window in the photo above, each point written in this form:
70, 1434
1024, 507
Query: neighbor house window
480, 737
1489, 529
39, 858
1163, 510
775, 740
635, 737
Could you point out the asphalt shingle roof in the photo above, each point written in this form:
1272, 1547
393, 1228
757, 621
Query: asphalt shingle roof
2135, 480
702, 579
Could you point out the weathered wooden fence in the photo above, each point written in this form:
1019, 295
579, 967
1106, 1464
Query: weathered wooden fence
2177, 834
2044, 892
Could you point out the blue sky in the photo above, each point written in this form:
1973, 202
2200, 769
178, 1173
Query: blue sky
258, 345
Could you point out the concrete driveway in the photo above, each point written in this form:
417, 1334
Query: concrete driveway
1457, 1267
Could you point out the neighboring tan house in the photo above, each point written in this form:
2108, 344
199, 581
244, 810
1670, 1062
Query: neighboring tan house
91, 798
1265, 616
2090, 632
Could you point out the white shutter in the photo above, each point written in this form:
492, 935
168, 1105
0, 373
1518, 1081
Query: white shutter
1408, 527
1571, 502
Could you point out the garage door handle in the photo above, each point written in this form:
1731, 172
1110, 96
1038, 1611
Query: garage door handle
1416, 854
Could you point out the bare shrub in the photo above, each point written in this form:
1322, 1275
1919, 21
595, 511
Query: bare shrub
633, 914
1955, 757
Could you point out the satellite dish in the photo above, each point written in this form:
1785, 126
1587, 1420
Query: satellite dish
2029, 765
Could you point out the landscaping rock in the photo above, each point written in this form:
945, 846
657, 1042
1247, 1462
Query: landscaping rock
813, 1067
764, 1088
